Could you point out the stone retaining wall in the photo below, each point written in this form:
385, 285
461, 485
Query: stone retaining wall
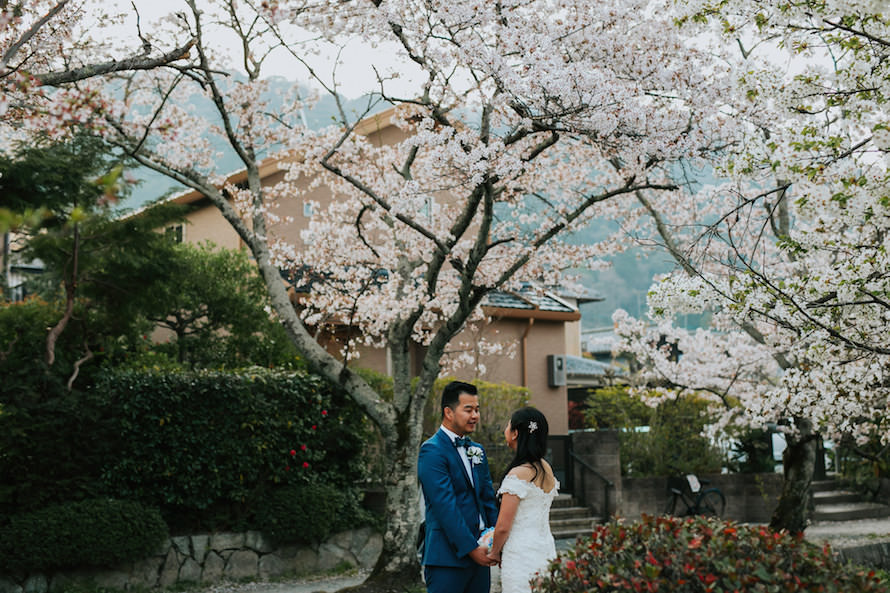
872, 555
212, 558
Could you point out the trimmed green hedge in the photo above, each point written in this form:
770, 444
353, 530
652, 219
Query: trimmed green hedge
214, 444
700, 555
95, 532
310, 513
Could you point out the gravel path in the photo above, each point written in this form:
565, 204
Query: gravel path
311, 584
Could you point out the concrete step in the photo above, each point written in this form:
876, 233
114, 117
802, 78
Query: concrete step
572, 534
569, 513
563, 500
850, 511
836, 497
825, 485
562, 525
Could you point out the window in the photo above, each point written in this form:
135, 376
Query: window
174, 233
308, 209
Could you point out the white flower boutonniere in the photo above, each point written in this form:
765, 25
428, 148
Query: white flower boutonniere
475, 454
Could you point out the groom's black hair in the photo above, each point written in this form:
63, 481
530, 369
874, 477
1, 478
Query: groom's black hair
452, 391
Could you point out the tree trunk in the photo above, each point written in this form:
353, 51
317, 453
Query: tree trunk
398, 567
799, 460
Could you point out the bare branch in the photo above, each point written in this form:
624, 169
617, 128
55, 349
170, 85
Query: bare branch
135, 63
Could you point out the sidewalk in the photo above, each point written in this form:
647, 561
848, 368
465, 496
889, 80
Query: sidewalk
847, 534
311, 584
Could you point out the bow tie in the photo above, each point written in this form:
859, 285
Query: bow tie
462, 442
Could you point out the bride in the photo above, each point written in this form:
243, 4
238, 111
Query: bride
522, 541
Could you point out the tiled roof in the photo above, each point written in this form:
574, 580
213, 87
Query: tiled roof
527, 297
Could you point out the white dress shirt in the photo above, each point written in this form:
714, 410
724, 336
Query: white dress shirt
462, 451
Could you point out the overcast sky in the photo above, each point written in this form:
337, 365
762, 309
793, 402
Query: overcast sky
355, 76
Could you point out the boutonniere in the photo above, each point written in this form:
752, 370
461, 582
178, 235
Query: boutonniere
474, 453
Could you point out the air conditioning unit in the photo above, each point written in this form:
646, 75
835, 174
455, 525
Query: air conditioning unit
556, 370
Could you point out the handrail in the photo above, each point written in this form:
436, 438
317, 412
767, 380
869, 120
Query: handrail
607, 483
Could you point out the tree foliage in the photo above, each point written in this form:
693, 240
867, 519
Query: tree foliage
522, 129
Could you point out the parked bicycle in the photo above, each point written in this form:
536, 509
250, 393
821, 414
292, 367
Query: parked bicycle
697, 501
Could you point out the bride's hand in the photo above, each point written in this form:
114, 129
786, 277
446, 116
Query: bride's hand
495, 557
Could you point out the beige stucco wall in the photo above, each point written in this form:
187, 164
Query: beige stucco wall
207, 224
543, 338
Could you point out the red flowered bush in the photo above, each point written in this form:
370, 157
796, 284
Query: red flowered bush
699, 555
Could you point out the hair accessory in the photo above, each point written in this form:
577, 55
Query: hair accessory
532, 426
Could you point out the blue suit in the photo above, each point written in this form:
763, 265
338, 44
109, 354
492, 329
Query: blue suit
453, 509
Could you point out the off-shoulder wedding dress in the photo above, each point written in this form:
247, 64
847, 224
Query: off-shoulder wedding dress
530, 546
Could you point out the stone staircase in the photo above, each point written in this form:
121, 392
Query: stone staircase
568, 520
834, 504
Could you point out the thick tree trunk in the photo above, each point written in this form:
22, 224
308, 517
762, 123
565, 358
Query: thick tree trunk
398, 568
799, 461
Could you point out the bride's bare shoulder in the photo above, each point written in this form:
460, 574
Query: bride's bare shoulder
523, 472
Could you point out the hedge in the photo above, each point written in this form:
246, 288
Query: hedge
309, 514
94, 532
214, 444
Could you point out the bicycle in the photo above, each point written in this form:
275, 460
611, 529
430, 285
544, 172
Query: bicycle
709, 502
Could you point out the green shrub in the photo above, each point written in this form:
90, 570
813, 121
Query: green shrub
52, 451
700, 555
206, 447
95, 532
310, 513
656, 441
615, 407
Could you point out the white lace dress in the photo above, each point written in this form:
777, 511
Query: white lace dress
530, 546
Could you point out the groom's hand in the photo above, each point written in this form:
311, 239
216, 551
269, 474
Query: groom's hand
480, 557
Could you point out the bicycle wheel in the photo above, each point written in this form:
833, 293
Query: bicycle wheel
711, 503
671, 505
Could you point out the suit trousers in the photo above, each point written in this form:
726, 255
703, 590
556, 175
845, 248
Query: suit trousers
450, 579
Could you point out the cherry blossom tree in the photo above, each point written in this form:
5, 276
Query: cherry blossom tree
789, 249
532, 119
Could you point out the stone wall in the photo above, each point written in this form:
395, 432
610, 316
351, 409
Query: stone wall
212, 558
600, 450
749, 497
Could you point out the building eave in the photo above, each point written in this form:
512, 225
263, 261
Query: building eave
509, 313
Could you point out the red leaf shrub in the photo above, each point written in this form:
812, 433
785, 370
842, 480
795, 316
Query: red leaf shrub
698, 555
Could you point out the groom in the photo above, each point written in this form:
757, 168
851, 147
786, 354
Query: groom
459, 496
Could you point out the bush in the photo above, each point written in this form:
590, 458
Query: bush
700, 555
671, 440
96, 532
206, 447
310, 513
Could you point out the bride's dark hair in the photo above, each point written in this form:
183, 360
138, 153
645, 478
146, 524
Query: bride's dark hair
531, 438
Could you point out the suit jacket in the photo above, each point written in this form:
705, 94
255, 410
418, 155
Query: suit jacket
453, 505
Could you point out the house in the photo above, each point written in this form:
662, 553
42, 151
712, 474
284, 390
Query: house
16, 270
540, 326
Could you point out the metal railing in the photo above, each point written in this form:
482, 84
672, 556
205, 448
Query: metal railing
581, 493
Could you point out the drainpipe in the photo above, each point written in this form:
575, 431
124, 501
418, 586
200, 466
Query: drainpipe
7, 268
531, 322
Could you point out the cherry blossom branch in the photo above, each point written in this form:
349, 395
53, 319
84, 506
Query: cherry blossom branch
129, 64
858, 33
13, 49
